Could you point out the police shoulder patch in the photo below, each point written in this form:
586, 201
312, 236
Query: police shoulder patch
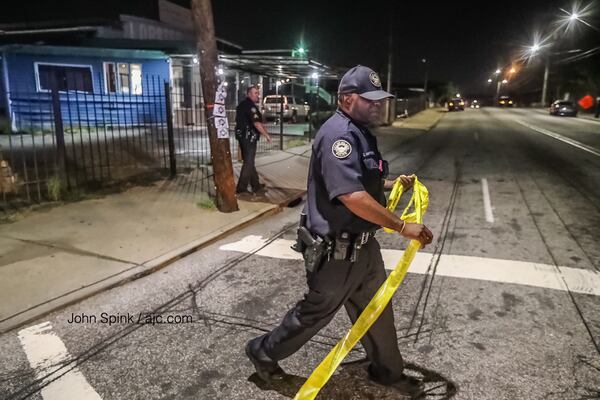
341, 148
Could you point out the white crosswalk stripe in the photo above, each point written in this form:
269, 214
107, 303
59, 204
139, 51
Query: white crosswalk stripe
457, 266
46, 352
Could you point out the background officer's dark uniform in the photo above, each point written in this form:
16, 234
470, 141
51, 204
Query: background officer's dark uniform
246, 114
345, 159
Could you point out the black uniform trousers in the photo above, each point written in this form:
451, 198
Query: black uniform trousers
333, 284
248, 174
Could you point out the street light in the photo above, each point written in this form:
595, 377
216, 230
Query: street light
424, 61
504, 81
490, 80
498, 71
577, 15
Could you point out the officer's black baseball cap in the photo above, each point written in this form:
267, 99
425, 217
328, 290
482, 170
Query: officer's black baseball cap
363, 81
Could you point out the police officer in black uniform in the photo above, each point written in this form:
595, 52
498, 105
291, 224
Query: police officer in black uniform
248, 128
345, 206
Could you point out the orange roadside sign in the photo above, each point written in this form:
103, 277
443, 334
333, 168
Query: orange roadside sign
586, 102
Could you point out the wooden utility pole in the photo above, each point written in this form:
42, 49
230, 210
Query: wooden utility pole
204, 28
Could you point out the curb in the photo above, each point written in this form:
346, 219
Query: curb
136, 272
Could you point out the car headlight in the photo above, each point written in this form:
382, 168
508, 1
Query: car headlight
502, 102
510, 102
451, 103
462, 103
477, 106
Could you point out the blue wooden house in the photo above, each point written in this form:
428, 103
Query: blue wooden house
96, 86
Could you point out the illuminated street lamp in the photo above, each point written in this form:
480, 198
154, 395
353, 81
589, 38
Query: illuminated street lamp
504, 81
577, 15
498, 71
490, 80
512, 70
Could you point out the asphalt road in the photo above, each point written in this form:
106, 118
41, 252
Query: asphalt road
503, 305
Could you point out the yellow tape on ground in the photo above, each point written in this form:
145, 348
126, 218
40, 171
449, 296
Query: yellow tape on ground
320, 376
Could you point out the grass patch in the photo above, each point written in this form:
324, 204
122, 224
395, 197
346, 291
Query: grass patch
295, 143
56, 188
58, 191
206, 204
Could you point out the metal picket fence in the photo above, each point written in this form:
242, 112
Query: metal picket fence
64, 140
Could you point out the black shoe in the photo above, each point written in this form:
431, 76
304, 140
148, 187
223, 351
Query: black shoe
240, 191
266, 370
260, 188
406, 385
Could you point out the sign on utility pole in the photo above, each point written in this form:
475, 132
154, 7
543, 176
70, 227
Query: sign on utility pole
204, 28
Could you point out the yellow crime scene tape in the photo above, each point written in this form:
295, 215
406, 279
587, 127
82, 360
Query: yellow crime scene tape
320, 376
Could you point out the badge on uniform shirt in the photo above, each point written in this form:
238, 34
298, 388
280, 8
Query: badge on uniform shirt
341, 148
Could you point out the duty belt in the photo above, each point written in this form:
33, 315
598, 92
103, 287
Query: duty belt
357, 238
346, 246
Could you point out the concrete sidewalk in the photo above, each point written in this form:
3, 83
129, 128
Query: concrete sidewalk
59, 255
53, 257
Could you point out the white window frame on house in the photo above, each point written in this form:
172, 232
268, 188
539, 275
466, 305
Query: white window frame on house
105, 65
118, 83
36, 71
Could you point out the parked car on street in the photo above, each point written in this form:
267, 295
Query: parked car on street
505, 101
456, 104
294, 109
563, 107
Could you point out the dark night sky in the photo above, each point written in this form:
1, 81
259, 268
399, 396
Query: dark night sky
463, 41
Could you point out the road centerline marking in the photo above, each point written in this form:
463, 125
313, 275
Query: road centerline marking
46, 354
487, 203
